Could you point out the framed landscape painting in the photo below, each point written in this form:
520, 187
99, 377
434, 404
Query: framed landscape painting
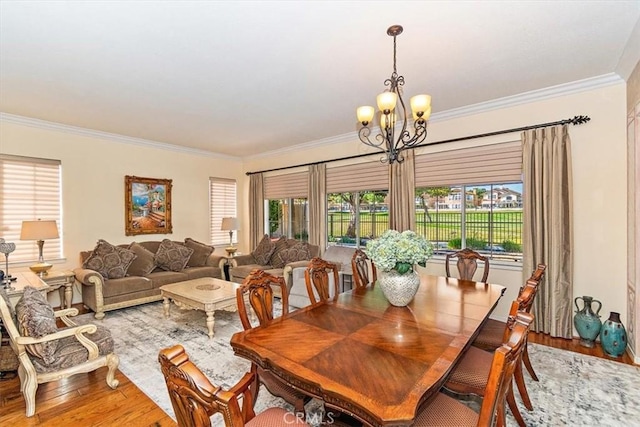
147, 204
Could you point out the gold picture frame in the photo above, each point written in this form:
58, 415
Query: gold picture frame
147, 205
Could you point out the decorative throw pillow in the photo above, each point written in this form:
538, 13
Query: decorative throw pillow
298, 252
172, 256
110, 261
201, 252
262, 252
144, 263
36, 319
280, 245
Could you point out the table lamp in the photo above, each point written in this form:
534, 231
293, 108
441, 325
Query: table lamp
230, 224
39, 230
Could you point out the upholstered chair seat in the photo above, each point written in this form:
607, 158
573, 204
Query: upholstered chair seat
447, 411
491, 335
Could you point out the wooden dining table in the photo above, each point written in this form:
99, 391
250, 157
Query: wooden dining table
367, 358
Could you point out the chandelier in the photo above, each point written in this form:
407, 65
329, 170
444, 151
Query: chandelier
388, 115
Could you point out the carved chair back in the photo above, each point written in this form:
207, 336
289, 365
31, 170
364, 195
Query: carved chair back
317, 280
467, 263
505, 361
257, 290
360, 266
195, 399
538, 274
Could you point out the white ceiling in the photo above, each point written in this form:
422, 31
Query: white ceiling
243, 78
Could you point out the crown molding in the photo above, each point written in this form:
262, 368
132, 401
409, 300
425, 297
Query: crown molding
468, 110
122, 139
530, 97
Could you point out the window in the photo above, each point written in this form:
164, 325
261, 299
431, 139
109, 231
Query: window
288, 217
30, 189
472, 198
353, 218
490, 222
287, 209
222, 202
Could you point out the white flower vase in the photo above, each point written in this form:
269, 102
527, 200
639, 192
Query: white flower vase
399, 289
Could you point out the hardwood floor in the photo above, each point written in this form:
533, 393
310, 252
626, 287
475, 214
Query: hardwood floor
86, 400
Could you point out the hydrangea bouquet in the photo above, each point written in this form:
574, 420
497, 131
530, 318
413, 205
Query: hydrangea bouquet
399, 251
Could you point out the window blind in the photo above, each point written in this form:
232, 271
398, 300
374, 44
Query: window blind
287, 186
358, 177
498, 163
30, 189
223, 202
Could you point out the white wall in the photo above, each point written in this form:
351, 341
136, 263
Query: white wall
599, 174
93, 171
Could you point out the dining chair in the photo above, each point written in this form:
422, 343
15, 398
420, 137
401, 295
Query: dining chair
195, 399
258, 292
492, 334
318, 280
467, 263
361, 265
469, 377
444, 410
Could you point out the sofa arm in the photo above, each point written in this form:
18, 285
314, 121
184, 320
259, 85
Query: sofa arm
88, 277
92, 296
288, 269
242, 260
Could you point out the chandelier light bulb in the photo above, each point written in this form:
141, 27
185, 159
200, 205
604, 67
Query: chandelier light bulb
387, 101
420, 103
365, 114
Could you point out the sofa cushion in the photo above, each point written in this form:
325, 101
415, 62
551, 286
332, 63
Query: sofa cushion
144, 262
110, 261
262, 252
281, 244
172, 256
126, 285
162, 278
206, 271
298, 252
200, 254
36, 319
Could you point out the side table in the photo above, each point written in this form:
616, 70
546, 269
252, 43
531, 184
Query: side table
63, 281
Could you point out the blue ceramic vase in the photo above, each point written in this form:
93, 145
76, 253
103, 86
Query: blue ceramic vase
587, 322
613, 336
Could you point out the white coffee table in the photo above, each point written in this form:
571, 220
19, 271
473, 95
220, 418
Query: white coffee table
206, 294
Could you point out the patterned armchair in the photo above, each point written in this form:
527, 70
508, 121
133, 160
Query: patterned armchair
47, 353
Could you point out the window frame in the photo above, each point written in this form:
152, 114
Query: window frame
30, 189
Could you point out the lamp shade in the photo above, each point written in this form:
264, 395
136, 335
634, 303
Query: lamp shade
39, 230
230, 223
365, 114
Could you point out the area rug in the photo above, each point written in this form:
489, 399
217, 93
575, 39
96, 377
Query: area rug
574, 389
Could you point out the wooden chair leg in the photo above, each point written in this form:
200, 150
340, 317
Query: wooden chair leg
527, 363
518, 376
511, 400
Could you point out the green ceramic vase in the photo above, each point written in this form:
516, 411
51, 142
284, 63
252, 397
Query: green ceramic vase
613, 336
586, 321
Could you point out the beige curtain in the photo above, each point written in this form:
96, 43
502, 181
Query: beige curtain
548, 234
317, 205
256, 209
402, 209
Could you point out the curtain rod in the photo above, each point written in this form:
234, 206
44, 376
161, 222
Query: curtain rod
576, 120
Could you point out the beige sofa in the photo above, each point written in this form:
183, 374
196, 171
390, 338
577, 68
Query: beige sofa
138, 286
277, 263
